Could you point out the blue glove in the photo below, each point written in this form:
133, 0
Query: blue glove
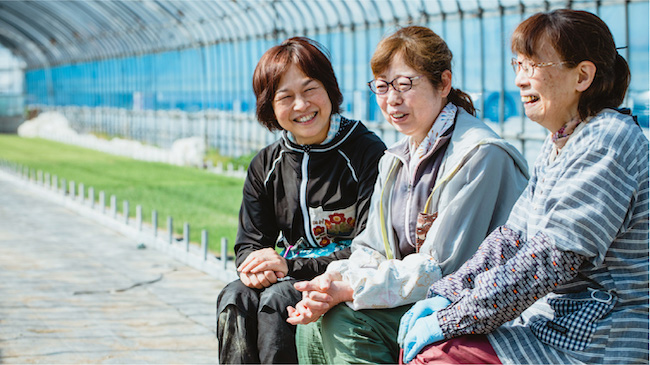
420, 309
425, 331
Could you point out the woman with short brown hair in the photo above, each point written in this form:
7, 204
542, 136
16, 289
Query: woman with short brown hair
308, 194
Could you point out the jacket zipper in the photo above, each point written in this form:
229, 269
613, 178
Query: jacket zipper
303, 199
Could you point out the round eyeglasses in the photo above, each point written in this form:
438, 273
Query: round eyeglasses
529, 67
399, 84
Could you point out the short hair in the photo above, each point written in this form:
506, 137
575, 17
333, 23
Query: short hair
424, 51
310, 57
578, 36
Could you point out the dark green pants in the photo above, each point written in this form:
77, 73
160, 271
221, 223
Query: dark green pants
345, 336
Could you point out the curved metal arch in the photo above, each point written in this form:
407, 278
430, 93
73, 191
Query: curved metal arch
341, 9
231, 35
130, 22
86, 17
366, 5
189, 15
54, 26
402, 12
297, 20
79, 48
170, 11
358, 10
260, 16
23, 46
280, 21
333, 10
212, 21
34, 34
303, 8
102, 46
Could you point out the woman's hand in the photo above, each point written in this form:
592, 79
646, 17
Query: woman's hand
262, 261
310, 308
260, 280
425, 331
419, 326
419, 310
319, 295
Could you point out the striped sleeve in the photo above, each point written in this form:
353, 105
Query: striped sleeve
588, 202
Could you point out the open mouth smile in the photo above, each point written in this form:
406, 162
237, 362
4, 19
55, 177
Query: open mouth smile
306, 118
529, 99
398, 116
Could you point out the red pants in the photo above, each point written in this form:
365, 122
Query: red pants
471, 349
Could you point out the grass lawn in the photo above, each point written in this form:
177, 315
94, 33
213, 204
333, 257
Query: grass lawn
204, 200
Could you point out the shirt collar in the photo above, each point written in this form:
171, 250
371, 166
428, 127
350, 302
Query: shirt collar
442, 123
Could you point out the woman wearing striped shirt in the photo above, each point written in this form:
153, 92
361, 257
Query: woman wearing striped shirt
565, 280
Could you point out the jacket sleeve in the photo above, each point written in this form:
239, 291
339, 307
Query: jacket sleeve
257, 224
367, 171
506, 276
475, 200
366, 168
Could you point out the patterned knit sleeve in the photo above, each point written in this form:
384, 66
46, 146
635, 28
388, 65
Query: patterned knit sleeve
505, 277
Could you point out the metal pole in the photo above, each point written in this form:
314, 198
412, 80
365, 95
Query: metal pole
114, 206
204, 244
224, 251
170, 230
186, 236
82, 192
154, 222
102, 201
138, 217
91, 196
125, 211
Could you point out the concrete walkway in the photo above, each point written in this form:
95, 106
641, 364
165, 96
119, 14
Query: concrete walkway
74, 291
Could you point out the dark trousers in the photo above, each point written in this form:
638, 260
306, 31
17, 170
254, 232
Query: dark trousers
251, 324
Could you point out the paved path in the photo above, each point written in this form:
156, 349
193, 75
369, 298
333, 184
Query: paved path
73, 291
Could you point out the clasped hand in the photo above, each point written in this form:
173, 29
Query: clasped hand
262, 268
419, 326
318, 296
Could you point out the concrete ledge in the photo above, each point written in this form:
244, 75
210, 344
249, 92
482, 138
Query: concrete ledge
190, 256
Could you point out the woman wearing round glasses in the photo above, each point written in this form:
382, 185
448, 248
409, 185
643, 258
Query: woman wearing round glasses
440, 190
565, 280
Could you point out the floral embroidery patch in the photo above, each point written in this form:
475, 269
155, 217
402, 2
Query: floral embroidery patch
327, 225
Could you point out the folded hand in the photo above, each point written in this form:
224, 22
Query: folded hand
261, 267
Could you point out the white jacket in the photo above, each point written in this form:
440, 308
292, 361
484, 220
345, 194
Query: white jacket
479, 180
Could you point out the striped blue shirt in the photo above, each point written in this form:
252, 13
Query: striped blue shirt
591, 200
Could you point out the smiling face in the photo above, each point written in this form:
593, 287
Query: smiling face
551, 95
301, 106
411, 112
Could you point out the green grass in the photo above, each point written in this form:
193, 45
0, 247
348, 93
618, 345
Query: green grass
204, 200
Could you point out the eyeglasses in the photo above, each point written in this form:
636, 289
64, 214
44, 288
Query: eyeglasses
529, 67
399, 84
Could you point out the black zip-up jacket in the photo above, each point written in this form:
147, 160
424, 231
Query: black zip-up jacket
310, 195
